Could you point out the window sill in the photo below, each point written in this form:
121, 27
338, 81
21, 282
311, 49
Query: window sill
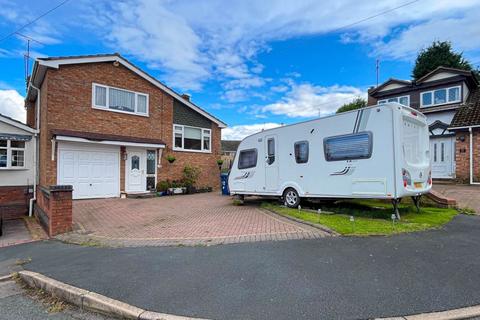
193, 151
14, 169
120, 111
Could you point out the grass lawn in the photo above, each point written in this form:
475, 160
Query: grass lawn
371, 217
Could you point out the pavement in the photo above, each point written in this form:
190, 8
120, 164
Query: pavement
14, 232
200, 219
19, 304
466, 195
329, 278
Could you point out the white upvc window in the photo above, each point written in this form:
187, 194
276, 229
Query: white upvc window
405, 100
186, 138
119, 100
12, 154
440, 97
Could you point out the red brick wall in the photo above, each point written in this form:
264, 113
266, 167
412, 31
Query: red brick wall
462, 156
67, 104
14, 201
54, 210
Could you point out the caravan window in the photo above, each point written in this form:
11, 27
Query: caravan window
247, 159
348, 147
301, 151
270, 151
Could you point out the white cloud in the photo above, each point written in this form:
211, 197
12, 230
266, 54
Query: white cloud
12, 105
306, 100
241, 131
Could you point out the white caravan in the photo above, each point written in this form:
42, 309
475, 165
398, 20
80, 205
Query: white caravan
377, 152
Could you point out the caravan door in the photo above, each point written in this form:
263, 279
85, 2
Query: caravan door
271, 163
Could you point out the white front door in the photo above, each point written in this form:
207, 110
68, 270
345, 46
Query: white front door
136, 171
442, 157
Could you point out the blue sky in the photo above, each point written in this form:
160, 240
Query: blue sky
254, 64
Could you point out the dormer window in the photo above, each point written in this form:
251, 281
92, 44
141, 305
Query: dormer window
440, 97
405, 100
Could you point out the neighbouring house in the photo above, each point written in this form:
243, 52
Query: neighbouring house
17, 167
450, 98
229, 149
106, 128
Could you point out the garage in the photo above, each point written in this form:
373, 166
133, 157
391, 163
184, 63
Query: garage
93, 171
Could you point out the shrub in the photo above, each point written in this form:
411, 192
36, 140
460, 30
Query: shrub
190, 175
163, 185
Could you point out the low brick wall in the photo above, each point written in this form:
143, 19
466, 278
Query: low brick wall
14, 201
54, 209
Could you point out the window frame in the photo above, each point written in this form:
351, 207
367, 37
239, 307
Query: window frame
9, 149
432, 95
270, 156
370, 146
107, 108
205, 132
295, 154
240, 155
398, 100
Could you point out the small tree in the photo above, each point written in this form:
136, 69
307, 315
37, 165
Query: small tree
440, 53
190, 175
357, 103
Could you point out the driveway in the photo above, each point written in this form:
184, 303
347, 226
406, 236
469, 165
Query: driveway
328, 278
199, 219
466, 195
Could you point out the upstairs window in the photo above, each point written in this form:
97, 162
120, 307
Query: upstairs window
405, 100
187, 138
119, 100
440, 97
12, 154
348, 147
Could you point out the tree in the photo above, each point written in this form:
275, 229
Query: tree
357, 103
440, 53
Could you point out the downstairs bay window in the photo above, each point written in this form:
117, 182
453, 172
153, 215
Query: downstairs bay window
186, 138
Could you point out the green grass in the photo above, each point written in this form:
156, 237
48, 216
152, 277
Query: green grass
371, 217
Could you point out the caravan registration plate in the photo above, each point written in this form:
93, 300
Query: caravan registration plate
418, 185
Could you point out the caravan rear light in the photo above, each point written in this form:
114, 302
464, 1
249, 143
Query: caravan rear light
429, 178
407, 179
414, 113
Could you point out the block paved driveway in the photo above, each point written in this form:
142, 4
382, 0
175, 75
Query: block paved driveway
199, 219
466, 195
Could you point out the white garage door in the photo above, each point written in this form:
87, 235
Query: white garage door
94, 172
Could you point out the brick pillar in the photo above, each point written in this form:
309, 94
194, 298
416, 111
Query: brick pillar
54, 209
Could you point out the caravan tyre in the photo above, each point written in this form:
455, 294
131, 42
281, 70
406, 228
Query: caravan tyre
291, 198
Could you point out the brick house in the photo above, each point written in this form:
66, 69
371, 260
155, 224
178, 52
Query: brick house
450, 98
106, 127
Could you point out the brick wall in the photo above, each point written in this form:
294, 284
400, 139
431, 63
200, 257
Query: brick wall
462, 156
14, 201
54, 209
67, 104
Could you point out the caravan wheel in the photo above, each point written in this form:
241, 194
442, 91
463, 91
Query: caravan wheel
291, 197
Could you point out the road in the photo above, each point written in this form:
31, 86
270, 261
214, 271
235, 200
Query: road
330, 278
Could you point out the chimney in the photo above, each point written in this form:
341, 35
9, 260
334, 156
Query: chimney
186, 96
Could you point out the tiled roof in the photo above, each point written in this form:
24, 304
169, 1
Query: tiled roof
230, 145
102, 137
469, 114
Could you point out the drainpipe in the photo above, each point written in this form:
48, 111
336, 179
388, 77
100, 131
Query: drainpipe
470, 130
36, 136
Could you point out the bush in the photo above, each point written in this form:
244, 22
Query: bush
190, 175
163, 185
